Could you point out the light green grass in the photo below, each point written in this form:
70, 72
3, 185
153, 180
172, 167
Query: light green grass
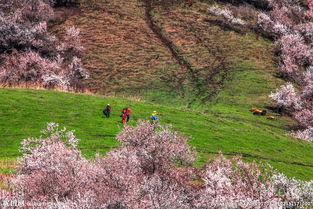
225, 126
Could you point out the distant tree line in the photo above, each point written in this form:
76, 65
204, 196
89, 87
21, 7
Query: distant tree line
30, 55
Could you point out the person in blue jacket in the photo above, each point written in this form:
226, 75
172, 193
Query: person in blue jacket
154, 117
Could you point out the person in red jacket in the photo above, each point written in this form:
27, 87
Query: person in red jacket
124, 116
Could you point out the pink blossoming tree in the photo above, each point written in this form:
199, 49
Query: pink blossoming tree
310, 4
151, 169
287, 98
31, 55
294, 39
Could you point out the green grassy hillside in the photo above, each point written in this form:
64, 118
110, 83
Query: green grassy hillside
226, 126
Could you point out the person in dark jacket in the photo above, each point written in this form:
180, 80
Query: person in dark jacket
107, 111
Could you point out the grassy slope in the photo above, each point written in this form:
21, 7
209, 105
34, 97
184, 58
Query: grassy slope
226, 127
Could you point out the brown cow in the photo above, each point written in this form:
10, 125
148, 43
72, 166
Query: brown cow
270, 117
257, 111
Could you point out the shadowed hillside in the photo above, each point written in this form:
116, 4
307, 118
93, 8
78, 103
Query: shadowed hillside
126, 56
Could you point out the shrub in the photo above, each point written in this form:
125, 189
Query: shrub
310, 4
226, 14
307, 92
305, 117
36, 10
306, 134
287, 98
291, 189
271, 28
14, 34
26, 67
293, 53
52, 167
235, 184
30, 54
71, 46
306, 29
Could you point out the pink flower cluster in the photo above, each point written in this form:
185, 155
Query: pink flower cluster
291, 25
306, 134
292, 190
287, 97
27, 66
226, 14
235, 184
310, 4
299, 105
31, 55
294, 54
152, 168
272, 28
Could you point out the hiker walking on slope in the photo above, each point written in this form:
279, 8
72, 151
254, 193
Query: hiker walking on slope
124, 116
154, 117
128, 113
107, 111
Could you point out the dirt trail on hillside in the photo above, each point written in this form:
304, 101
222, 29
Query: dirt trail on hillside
176, 53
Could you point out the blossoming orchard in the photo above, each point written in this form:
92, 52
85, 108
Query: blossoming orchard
290, 25
295, 50
154, 164
151, 169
